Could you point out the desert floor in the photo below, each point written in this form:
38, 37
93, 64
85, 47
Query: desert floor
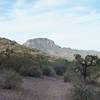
45, 88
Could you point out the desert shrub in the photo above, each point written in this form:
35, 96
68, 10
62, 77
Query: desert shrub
83, 93
60, 66
23, 64
33, 71
69, 76
60, 69
15, 62
10, 79
48, 71
42, 60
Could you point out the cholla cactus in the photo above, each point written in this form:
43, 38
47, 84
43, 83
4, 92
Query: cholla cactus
86, 62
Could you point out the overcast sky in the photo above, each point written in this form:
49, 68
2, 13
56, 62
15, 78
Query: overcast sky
70, 23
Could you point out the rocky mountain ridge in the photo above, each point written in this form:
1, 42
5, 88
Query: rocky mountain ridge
48, 46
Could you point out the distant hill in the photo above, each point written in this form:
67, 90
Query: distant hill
48, 46
17, 48
43, 46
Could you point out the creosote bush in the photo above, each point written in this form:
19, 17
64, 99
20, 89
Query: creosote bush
60, 66
9, 79
33, 71
59, 69
48, 71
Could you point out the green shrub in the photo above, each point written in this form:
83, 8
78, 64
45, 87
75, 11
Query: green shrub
60, 66
33, 71
68, 76
83, 93
48, 71
60, 70
10, 79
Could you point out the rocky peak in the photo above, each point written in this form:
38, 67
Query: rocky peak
40, 43
48, 46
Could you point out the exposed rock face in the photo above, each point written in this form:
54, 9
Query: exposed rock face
48, 46
41, 43
45, 45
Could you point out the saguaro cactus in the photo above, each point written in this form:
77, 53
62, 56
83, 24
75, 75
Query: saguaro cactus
86, 62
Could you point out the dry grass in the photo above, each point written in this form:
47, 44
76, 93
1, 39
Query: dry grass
39, 89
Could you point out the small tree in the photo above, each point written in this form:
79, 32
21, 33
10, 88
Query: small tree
86, 62
83, 91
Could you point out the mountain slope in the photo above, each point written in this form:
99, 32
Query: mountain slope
17, 48
48, 46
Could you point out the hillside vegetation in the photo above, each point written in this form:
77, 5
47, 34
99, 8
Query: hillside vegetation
27, 62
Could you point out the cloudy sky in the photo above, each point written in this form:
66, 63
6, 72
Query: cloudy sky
70, 23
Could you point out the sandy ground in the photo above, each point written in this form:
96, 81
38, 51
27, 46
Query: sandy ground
39, 89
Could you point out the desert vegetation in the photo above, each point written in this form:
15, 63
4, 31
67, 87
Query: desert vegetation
25, 64
10, 79
85, 78
83, 74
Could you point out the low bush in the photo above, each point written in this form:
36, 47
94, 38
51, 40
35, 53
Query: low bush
69, 76
10, 79
83, 93
60, 66
66, 78
33, 71
60, 69
80, 92
48, 71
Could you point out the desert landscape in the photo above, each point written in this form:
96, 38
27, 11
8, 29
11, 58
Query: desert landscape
39, 89
49, 49
29, 73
